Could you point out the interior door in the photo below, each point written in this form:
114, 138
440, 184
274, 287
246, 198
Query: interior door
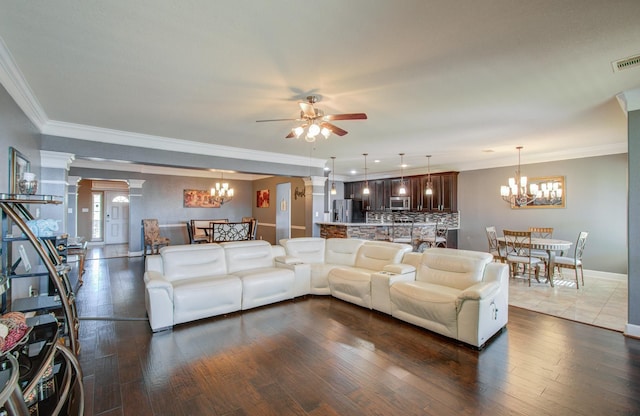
116, 217
283, 211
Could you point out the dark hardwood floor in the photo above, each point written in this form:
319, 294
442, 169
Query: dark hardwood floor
322, 356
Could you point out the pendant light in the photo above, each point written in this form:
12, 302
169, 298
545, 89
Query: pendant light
333, 173
365, 191
429, 188
403, 189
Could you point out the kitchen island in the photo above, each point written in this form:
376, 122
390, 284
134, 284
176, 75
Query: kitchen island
380, 224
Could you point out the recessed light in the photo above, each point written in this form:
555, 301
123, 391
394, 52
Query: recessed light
353, 171
376, 161
488, 151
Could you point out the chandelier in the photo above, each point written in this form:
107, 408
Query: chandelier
221, 193
516, 192
429, 188
365, 191
403, 189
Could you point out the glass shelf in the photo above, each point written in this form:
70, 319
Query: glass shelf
31, 199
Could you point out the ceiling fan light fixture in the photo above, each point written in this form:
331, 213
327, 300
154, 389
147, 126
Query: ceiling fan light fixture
297, 131
325, 132
314, 129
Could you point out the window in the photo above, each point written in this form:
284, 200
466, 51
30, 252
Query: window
96, 216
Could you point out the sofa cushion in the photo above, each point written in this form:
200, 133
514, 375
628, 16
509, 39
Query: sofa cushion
307, 249
374, 256
262, 286
342, 250
193, 261
202, 297
429, 305
453, 268
246, 255
351, 284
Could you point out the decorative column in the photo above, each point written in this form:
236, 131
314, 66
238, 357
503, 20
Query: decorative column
72, 205
54, 168
314, 203
136, 239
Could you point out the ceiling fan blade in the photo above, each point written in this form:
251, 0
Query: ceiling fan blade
334, 129
290, 135
354, 116
308, 110
278, 119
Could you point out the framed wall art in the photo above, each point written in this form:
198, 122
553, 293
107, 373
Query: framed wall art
262, 199
18, 164
198, 198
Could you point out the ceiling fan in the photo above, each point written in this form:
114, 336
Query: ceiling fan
314, 121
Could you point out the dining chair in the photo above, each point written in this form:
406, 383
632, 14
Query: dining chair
253, 226
517, 247
541, 232
229, 231
574, 262
152, 238
494, 247
197, 235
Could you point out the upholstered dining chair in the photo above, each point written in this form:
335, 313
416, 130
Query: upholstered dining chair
152, 238
253, 226
575, 262
541, 232
517, 247
442, 233
494, 248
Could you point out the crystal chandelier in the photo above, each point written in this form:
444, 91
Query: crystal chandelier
516, 192
365, 191
221, 193
403, 189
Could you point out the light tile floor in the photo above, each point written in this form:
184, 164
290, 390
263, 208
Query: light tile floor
601, 301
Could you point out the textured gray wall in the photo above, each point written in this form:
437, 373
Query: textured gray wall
16, 130
596, 192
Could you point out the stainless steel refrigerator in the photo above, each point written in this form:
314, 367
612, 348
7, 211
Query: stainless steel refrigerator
347, 210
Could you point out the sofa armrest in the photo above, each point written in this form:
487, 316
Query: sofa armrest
480, 291
399, 268
154, 263
288, 260
381, 283
301, 271
158, 301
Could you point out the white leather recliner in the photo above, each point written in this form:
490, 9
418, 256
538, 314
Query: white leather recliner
353, 284
322, 256
460, 294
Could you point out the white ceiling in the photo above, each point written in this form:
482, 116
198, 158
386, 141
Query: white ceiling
464, 81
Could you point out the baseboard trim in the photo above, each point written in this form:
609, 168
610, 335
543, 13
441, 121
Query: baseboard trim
632, 331
606, 275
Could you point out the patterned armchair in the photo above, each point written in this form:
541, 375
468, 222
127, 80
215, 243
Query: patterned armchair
152, 239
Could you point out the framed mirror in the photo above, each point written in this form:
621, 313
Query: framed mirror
18, 164
550, 192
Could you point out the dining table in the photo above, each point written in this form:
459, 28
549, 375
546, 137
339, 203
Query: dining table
550, 245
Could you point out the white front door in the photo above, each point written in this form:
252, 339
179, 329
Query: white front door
116, 218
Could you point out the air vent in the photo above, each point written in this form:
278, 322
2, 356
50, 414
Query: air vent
626, 63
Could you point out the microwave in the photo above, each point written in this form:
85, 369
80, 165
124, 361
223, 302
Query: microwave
399, 203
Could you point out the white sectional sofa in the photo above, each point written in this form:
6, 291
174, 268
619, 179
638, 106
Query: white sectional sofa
189, 282
457, 293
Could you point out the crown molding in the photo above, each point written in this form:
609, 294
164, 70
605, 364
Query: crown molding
125, 138
14, 82
629, 100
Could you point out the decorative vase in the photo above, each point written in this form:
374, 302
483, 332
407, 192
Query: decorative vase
28, 184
